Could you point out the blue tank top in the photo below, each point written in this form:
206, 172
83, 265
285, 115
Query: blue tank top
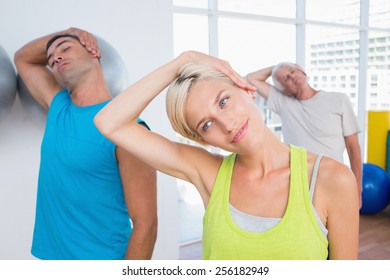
81, 211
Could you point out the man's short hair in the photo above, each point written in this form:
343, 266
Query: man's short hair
50, 42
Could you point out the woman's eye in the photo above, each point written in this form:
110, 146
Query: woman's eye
223, 102
207, 125
67, 48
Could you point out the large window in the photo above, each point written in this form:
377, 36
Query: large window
332, 60
250, 44
194, 28
379, 11
334, 11
274, 8
378, 71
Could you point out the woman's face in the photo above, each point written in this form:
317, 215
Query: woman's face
224, 115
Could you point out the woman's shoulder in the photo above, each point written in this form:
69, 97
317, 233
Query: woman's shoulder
329, 166
333, 176
336, 179
335, 170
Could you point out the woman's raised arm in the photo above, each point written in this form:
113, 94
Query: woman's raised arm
118, 119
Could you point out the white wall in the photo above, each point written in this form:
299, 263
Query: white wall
141, 31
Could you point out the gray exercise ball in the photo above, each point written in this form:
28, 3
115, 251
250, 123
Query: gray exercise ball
114, 71
7, 83
35, 111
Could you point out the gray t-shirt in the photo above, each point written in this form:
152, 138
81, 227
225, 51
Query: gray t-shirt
318, 124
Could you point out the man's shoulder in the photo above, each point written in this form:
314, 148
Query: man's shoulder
60, 96
333, 93
60, 101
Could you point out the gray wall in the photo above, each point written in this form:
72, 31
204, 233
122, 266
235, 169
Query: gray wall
141, 31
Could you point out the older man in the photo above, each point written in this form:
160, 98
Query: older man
322, 122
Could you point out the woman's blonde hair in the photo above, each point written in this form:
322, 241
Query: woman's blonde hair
177, 96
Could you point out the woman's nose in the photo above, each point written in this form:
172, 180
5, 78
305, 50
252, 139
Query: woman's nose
227, 124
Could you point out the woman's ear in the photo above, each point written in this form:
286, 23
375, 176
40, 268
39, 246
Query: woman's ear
202, 142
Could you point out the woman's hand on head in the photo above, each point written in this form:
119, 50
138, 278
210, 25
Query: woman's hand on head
220, 65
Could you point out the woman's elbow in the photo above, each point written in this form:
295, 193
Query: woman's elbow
103, 124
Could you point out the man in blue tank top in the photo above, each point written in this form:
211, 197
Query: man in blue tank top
94, 201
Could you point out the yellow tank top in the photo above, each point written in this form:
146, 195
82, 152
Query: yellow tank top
297, 236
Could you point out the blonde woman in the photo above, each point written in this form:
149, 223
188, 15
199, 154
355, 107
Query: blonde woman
266, 200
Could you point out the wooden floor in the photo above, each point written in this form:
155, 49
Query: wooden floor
374, 239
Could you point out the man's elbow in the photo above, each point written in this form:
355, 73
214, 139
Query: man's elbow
148, 227
250, 79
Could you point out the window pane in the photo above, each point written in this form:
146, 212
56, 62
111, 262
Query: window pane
380, 13
378, 73
250, 45
191, 3
190, 33
278, 8
332, 62
340, 11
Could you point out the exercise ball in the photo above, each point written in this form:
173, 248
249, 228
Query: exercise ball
115, 76
35, 111
7, 83
114, 69
376, 189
